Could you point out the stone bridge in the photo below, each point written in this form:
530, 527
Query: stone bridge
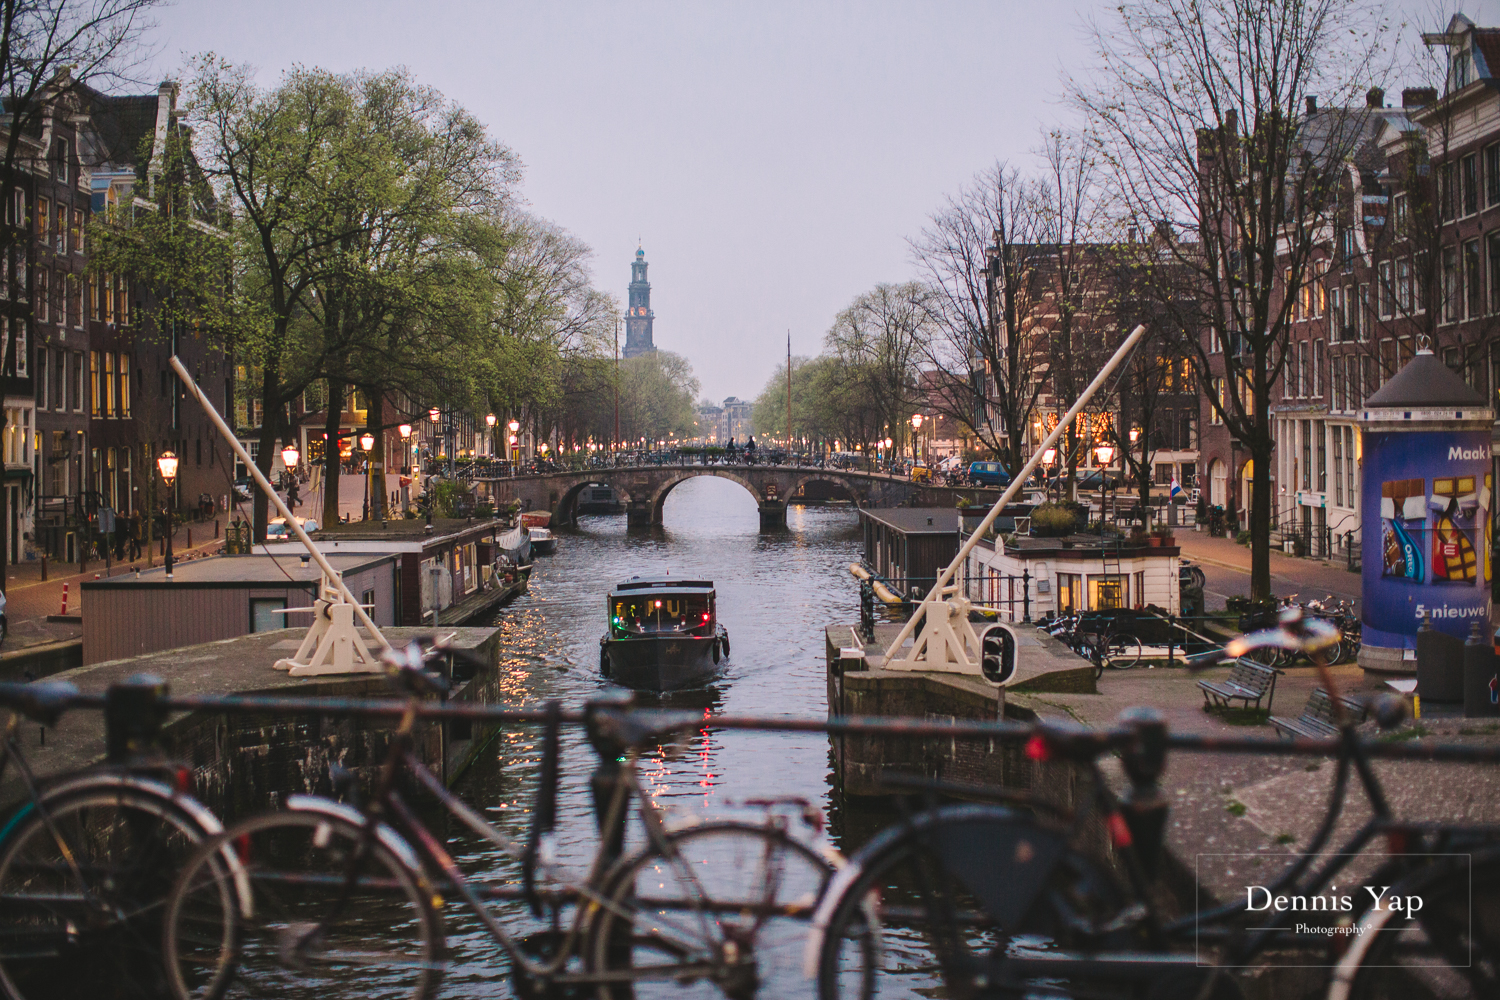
643, 489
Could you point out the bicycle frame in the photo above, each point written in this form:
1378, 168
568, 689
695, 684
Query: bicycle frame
619, 783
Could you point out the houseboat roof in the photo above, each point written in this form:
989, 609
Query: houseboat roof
255, 570
916, 520
655, 583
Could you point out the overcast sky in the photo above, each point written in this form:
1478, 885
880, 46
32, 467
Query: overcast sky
772, 158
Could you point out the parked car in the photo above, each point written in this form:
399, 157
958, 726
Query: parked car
277, 527
988, 474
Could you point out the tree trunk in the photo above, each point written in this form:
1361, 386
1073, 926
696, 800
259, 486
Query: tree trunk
269, 428
331, 452
1260, 485
377, 455
5, 538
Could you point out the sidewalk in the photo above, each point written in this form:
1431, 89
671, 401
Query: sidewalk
1310, 577
30, 599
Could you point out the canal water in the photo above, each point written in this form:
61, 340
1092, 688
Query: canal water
776, 593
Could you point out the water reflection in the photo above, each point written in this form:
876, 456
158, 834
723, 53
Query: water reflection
776, 592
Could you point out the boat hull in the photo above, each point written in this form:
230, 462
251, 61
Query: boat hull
543, 546
665, 663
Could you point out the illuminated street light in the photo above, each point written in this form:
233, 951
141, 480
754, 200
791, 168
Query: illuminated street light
1105, 453
289, 456
166, 463
405, 431
489, 419
367, 441
433, 414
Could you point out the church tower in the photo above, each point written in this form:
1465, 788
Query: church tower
638, 316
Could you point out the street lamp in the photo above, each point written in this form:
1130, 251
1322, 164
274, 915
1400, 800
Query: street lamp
433, 414
916, 427
289, 457
166, 463
1105, 453
489, 421
366, 441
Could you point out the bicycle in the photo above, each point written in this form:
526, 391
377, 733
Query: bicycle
87, 859
713, 909
1004, 898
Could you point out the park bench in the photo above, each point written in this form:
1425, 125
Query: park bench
1316, 720
1248, 682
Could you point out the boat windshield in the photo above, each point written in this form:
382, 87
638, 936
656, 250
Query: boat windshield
665, 613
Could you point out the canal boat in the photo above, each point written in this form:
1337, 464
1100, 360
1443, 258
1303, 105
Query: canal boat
543, 542
664, 634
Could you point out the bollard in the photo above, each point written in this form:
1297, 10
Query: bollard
1481, 685
44, 566
65, 600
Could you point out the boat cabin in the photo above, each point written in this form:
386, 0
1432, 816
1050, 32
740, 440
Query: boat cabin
651, 606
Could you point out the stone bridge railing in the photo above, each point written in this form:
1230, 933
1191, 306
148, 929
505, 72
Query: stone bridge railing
644, 489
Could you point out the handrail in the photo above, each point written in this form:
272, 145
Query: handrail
657, 720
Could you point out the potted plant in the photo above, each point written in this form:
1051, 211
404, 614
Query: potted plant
1162, 536
1052, 521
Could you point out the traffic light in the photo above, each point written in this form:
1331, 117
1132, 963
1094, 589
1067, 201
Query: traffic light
997, 653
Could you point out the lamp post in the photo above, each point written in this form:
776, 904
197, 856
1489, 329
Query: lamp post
366, 443
1105, 454
1049, 459
515, 456
916, 429
489, 421
405, 431
289, 457
166, 464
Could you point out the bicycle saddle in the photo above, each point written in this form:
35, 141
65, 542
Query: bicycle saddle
43, 702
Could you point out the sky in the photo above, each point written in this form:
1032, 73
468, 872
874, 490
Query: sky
771, 158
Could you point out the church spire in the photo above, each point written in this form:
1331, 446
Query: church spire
638, 314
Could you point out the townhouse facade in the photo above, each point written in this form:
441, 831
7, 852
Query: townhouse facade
81, 445
1410, 258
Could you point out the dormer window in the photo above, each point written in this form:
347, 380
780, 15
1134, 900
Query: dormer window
1460, 70
62, 160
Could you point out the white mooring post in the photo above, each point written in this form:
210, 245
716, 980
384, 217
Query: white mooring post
333, 644
947, 642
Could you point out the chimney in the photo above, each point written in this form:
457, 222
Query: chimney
1312, 105
1418, 97
1132, 235
1164, 230
1375, 98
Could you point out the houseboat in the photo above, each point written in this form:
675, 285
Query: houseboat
664, 634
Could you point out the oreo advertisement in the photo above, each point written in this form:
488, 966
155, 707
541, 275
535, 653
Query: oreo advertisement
1425, 505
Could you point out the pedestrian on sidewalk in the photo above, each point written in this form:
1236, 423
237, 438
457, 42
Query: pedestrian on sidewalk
135, 534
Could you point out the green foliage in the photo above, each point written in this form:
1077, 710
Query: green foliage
445, 497
1050, 520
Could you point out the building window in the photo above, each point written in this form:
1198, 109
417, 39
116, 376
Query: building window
1338, 466
78, 382
1468, 169
1403, 285
1493, 246
1317, 369
1301, 369
1473, 287
110, 385
43, 294
125, 386
1398, 204
42, 385
43, 216
1215, 414
75, 232
96, 395
109, 300
1492, 175
63, 162
1346, 250
60, 228
1450, 284
75, 291
1306, 428
1320, 434
1386, 290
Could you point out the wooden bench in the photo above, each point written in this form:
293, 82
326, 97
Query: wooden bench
1316, 720
1248, 682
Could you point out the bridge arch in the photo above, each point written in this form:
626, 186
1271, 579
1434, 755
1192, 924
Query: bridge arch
859, 496
659, 497
566, 509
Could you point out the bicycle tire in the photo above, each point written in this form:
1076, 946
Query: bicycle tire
1452, 952
694, 919
909, 873
304, 933
80, 911
1122, 651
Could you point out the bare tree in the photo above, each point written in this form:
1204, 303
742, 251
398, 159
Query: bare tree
879, 339
980, 254
1200, 107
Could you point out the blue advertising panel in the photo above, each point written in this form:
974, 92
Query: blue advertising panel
1425, 503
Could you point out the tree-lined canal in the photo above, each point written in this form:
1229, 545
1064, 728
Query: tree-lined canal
776, 592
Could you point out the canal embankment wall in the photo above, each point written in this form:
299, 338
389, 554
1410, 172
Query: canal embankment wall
245, 762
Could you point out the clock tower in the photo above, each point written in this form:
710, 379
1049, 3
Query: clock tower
638, 315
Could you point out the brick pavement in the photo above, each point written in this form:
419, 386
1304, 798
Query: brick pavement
1227, 565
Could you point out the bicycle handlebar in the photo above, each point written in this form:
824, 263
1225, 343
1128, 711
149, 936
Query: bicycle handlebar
41, 702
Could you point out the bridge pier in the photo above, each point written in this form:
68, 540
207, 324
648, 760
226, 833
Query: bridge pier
772, 515
640, 514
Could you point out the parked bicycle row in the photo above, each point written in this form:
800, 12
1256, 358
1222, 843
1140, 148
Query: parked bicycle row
116, 881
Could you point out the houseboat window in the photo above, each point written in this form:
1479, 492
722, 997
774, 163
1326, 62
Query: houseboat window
675, 613
263, 613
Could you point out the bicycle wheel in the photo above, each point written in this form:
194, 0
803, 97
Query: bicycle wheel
1451, 951
84, 875
330, 914
950, 913
722, 910
1122, 651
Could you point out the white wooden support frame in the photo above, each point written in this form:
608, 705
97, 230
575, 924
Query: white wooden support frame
947, 644
333, 644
